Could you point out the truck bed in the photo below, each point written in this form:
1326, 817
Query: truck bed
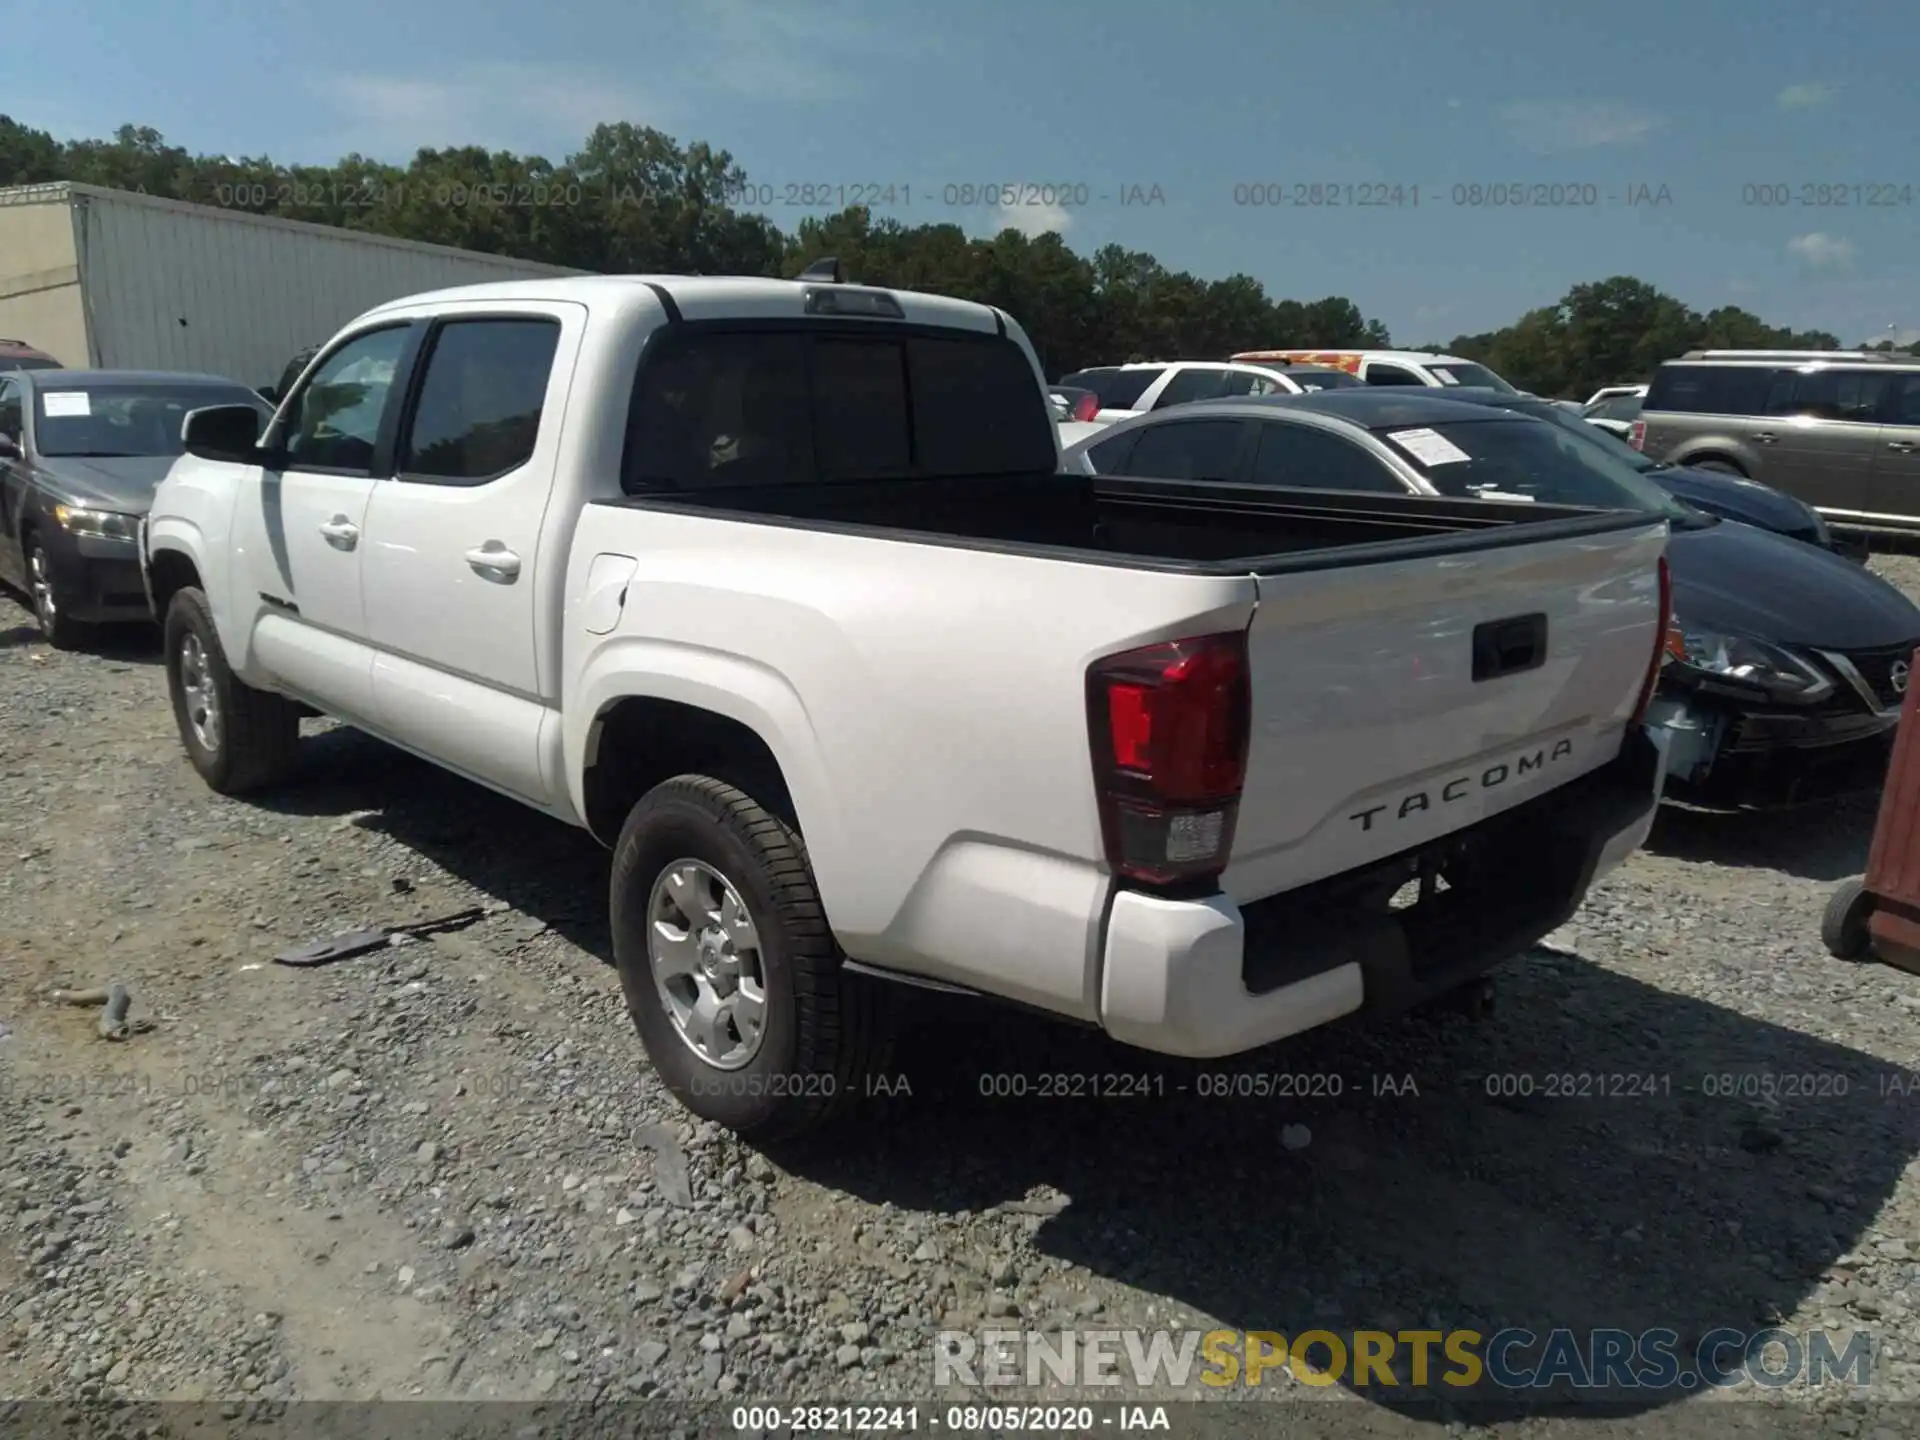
1184, 526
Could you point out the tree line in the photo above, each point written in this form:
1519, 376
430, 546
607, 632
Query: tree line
635, 200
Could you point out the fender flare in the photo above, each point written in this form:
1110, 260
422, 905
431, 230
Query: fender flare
742, 689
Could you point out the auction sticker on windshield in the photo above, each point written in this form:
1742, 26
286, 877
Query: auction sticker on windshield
1429, 447
67, 403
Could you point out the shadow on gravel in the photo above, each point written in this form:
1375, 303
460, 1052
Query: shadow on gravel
134, 644
539, 866
1599, 1154
19, 635
1815, 842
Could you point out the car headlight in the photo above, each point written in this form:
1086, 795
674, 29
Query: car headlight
1741, 660
97, 524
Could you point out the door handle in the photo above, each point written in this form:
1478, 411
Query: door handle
1766, 438
494, 561
341, 533
1903, 447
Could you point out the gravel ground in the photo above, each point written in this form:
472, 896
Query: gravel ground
444, 1169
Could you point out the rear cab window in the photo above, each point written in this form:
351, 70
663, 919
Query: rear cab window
725, 407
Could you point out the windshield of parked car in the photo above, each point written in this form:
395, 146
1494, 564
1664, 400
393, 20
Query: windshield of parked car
108, 421
1525, 459
1462, 372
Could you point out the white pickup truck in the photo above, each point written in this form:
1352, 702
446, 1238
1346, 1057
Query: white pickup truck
775, 588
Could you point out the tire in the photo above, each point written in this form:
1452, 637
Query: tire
255, 739
1843, 928
1717, 465
823, 1031
49, 607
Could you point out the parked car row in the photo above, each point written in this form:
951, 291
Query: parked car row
1787, 663
80, 454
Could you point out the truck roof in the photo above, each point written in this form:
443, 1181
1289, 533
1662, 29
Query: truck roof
701, 297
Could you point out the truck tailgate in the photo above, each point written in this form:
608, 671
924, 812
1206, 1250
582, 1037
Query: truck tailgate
1371, 732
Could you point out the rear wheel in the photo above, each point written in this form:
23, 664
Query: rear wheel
1843, 929
1719, 466
238, 738
730, 972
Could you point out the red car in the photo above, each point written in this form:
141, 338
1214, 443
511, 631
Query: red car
18, 355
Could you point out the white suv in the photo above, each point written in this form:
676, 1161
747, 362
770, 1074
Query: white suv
1134, 389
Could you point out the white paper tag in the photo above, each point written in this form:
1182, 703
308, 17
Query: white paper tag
1491, 494
1445, 378
66, 403
1429, 447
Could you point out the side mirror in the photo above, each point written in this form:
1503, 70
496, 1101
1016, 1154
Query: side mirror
222, 432
9, 448
269, 394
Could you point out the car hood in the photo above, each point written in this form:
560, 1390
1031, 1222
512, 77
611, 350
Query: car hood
123, 482
1745, 581
1735, 498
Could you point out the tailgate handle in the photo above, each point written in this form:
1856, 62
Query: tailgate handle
1506, 647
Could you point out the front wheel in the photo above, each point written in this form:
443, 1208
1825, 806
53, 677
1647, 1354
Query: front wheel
49, 604
1719, 467
238, 738
730, 971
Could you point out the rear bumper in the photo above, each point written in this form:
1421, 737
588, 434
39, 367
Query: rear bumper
1207, 978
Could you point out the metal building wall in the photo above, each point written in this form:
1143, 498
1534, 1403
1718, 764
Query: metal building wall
171, 286
39, 279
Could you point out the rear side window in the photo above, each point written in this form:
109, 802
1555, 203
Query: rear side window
1193, 384
1117, 389
1391, 375
1187, 450
1300, 457
1109, 457
720, 407
1828, 394
1903, 404
1710, 389
478, 414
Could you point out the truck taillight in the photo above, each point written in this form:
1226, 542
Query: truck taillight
1662, 645
1638, 438
1170, 726
1086, 407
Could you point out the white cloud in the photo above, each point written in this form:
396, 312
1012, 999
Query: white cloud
1823, 254
1549, 126
1032, 221
507, 105
1803, 97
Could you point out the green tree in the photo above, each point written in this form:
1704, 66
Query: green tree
635, 200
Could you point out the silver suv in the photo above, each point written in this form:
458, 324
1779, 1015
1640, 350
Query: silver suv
1839, 429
